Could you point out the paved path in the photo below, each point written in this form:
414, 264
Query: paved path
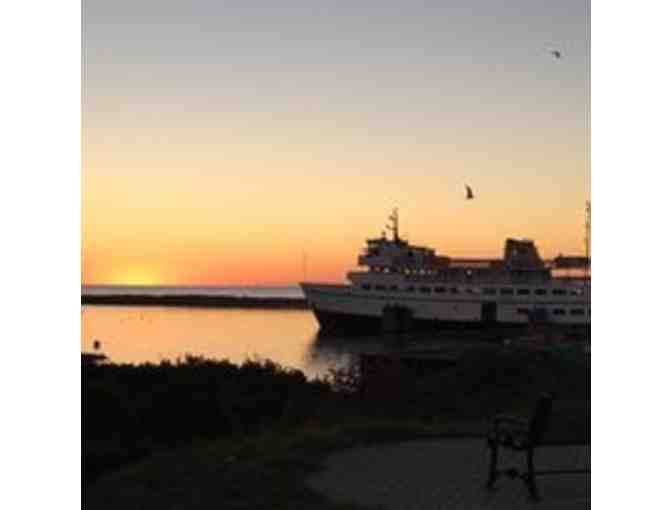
450, 474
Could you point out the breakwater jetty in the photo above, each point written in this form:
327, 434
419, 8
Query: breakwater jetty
196, 301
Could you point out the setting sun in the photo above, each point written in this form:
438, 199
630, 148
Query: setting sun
139, 275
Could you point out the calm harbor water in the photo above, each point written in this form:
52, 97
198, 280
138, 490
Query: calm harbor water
138, 334
151, 334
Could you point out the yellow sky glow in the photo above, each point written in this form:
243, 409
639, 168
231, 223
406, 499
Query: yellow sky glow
204, 226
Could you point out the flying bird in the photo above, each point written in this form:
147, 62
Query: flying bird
470, 193
556, 54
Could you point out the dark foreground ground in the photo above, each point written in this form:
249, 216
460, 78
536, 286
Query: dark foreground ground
210, 434
445, 473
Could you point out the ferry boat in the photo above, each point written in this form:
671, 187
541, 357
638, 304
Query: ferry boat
403, 287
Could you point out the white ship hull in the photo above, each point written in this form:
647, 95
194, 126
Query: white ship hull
346, 307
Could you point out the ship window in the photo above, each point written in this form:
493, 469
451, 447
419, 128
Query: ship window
410, 289
454, 290
559, 311
577, 292
440, 290
366, 286
577, 311
489, 291
523, 311
380, 287
425, 290
540, 292
522, 292
559, 292
506, 292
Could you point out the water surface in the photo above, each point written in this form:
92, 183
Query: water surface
138, 334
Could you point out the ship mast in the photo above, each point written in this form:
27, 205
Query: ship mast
394, 218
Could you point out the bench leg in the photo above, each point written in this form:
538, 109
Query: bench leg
493, 465
530, 478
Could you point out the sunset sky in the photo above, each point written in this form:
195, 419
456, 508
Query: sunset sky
222, 140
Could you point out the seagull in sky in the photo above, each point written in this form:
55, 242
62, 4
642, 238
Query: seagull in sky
556, 54
470, 193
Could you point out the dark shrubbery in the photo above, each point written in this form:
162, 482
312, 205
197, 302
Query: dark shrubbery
492, 380
129, 411
489, 381
482, 383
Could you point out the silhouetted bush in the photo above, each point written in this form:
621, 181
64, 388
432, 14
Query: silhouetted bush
490, 381
130, 410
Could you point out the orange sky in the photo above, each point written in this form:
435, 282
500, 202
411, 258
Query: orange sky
220, 229
260, 134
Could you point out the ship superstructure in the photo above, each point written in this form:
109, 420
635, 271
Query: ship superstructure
406, 287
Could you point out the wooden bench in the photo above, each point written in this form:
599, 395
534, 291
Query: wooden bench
515, 433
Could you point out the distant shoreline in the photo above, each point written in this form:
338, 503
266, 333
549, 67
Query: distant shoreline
197, 301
